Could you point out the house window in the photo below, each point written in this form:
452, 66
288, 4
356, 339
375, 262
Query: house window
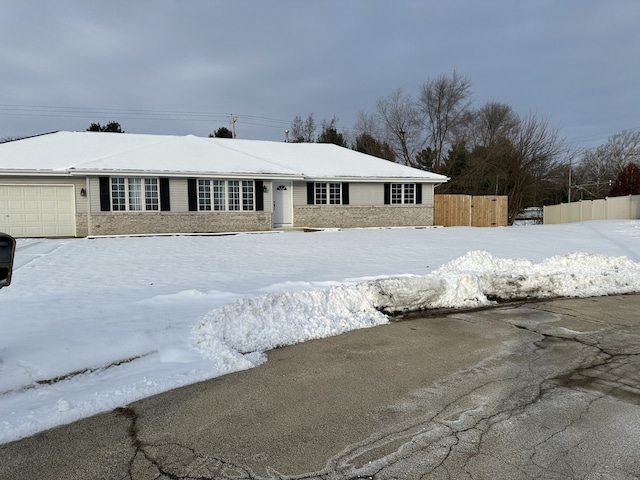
247, 195
234, 194
219, 195
151, 194
328, 193
134, 194
403, 193
226, 195
204, 195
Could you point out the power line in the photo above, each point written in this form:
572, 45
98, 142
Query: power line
133, 114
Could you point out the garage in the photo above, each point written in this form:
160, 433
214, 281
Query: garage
37, 210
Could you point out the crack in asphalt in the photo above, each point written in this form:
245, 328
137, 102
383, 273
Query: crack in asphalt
448, 442
168, 464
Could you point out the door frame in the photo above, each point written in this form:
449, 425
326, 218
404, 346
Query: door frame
282, 204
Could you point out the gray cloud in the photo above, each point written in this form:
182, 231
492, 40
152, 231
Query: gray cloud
573, 62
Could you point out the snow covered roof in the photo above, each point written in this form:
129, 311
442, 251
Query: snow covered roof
101, 153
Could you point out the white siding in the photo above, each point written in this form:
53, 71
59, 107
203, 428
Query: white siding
299, 194
178, 194
364, 194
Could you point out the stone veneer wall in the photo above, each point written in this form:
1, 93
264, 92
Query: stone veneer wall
312, 216
346, 216
81, 225
123, 223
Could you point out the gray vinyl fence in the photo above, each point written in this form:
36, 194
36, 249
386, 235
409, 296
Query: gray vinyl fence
627, 207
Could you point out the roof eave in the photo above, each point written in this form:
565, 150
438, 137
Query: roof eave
34, 173
186, 174
376, 179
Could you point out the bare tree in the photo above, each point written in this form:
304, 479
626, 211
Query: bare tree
445, 103
492, 121
621, 149
522, 158
368, 123
297, 129
540, 155
402, 123
303, 131
600, 166
594, 174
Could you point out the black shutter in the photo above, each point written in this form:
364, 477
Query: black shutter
165, 202
105, 195
259, 195
418, 193
310, 192
192, 194
345, 193
387, 194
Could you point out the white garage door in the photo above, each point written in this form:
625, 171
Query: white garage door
37, 210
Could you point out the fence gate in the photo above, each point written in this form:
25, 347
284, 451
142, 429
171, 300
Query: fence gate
471, 211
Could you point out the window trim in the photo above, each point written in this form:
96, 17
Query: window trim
327, 193
225, 195
403, 194
134, 194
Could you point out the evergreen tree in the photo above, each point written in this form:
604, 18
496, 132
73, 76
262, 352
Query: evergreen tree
366, 143
628, 182
112, 127
222, 132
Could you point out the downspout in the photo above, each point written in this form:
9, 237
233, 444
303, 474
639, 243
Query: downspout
88, 182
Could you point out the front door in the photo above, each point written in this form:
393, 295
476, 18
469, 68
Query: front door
282, 206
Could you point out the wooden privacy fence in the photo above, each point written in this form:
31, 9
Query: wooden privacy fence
471, 211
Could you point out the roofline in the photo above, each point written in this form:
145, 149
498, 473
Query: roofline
379, 179
72, 172
35, 173
16, 139
173, 174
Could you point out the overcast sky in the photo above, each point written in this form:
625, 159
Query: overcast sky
181, 67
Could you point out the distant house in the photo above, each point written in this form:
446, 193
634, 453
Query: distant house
75, 184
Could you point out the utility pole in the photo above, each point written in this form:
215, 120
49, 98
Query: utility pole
569, 194
233, 126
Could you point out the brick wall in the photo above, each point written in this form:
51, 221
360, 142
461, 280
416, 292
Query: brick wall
81, 224
121, 223
343, 216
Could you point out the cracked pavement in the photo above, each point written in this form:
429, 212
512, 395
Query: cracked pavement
544, 390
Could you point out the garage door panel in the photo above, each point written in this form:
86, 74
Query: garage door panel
32, 217
37, 210
51, 217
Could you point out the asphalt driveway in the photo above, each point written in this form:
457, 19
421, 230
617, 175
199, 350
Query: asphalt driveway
535, 390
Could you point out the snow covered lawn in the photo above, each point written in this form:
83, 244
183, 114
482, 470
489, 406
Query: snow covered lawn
88, 325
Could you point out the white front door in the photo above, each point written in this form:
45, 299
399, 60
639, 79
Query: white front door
282, 205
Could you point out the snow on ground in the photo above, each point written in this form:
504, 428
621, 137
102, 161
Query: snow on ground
88, 325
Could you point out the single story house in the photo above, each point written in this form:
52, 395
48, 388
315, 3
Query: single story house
75, 184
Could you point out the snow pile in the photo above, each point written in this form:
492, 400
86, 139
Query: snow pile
273, 320
571, 275
406, 294
476, 279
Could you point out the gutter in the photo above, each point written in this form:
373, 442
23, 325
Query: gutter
167, 173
